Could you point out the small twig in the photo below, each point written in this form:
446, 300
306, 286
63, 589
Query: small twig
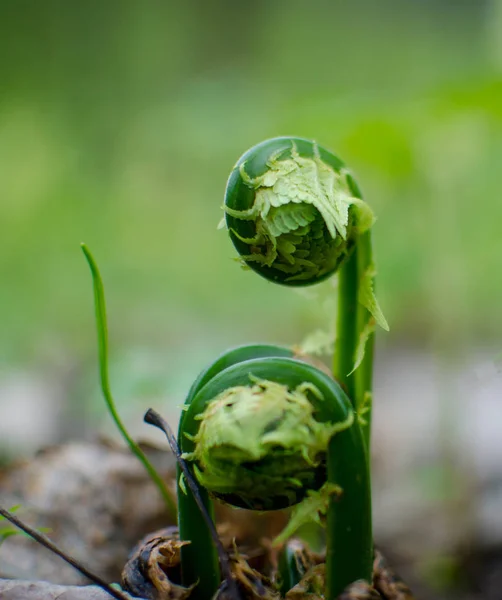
153, 418
45, 541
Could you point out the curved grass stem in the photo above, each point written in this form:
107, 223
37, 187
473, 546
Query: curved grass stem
102, 333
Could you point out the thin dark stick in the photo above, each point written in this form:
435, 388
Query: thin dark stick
153, 418
45, 541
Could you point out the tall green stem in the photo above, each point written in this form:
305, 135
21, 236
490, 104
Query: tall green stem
352, 320
347, 325
364, 373
199, 560
102, 331
349, 549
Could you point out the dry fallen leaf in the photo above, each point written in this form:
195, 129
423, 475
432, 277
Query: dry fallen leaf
387, 582
154, 566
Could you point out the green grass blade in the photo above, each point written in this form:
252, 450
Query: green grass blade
102, 333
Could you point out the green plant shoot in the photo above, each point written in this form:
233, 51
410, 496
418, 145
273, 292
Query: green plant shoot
296, 216
269, 432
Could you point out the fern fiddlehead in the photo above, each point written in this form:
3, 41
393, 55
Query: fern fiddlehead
266, 433
293, 211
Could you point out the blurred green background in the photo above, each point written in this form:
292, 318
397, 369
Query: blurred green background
119, 124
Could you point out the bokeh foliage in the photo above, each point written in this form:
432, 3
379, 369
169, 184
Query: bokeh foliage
120, 121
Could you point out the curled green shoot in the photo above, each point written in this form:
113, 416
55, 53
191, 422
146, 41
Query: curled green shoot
337, 456
191, 521
273, 428
102, 334
291, 211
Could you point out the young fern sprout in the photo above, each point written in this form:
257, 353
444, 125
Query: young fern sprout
296, 216
264, 431
293, 211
